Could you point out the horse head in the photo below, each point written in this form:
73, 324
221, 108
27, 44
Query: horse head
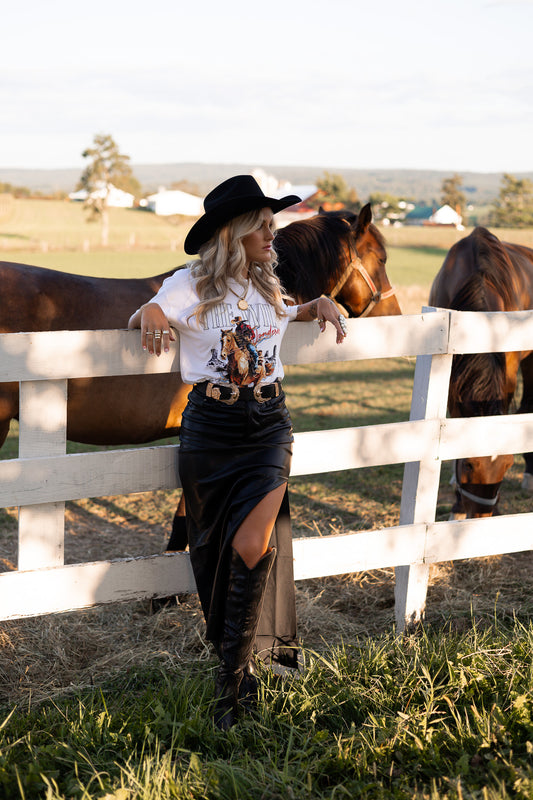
363, 287
477, 485
339, 254
227, 342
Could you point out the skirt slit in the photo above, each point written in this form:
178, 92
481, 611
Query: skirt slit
230, 457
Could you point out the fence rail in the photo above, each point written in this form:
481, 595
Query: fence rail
44, 477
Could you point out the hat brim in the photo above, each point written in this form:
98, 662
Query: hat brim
204, 228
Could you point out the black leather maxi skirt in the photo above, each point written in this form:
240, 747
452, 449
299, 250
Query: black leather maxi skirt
230, 457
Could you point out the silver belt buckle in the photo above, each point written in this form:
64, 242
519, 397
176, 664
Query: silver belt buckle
214, 392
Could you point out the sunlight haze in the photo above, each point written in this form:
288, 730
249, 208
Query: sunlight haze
407, 85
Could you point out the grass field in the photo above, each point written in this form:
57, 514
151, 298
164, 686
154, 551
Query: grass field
114, 702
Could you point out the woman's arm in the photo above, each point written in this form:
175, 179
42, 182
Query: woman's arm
155, 328
323, 310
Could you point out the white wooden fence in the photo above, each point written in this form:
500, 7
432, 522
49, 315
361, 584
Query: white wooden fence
44, 477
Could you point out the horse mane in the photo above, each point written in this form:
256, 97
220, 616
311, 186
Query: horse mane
478, 381
310, 251
492, 271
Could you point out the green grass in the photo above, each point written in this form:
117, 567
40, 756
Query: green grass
62, 225
408, 266
440, 715
405, 265
102, 264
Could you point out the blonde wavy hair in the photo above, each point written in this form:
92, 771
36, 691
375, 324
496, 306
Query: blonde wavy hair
223, 257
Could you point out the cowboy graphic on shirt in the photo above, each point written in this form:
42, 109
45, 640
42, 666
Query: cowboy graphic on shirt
245, 336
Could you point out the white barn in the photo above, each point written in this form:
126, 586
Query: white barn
116, 198
173, 201
445, 215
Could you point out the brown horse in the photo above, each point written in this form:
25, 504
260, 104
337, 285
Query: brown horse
340, 256
481, 273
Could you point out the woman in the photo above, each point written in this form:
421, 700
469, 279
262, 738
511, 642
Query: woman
236, 435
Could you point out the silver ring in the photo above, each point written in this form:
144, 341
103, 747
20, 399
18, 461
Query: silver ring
321, 320
149, 333
157, 334
168, 332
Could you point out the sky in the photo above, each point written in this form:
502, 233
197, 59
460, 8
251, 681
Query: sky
380, 84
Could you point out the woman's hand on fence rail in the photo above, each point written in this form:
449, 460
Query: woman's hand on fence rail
323, 310
156, 333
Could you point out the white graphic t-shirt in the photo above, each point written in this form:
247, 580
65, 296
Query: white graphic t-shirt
232, 345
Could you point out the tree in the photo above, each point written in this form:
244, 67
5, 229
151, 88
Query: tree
389, 207
514, 206
107, 167
334, 192
452, 195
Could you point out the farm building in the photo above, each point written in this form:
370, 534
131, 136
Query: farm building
173, 201
117, 198
446, 215
166, 202
273, 187
426, 215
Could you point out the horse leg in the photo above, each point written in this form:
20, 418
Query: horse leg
526, 407
4, 430
178, 535
176, 543
9, 408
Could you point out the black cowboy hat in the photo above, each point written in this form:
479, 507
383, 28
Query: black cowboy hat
228, 200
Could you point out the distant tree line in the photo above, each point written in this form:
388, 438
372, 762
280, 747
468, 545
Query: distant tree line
107, 166
513, 208
25, 192
333, 194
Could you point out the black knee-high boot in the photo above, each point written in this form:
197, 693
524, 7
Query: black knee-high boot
244, 600
248, 692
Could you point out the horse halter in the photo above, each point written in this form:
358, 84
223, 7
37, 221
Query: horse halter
376, 295
487, 502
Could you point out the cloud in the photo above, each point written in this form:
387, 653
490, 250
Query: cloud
342, 84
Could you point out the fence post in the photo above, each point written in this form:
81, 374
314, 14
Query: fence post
421, 482
42, 432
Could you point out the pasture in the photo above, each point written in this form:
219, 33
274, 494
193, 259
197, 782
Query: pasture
446, 713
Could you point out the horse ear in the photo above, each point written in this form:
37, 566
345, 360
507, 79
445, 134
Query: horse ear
321, 210
364, 219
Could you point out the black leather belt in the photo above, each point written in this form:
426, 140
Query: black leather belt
230, 394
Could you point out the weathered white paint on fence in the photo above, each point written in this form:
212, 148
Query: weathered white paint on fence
43, 591
491, 332
43, 477
42, 431
52, 355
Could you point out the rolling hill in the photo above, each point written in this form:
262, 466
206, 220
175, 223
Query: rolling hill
420, 185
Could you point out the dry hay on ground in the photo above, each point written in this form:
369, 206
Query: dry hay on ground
57, 654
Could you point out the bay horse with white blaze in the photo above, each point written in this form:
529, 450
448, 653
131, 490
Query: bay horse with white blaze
481, 273
340, 256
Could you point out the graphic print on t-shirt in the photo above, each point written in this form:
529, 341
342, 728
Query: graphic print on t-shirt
242, 358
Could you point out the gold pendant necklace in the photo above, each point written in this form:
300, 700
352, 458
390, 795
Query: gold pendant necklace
241, 302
